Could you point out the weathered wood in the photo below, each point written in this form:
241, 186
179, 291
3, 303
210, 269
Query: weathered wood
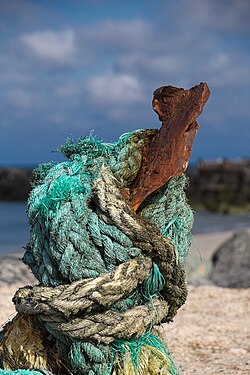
168, 153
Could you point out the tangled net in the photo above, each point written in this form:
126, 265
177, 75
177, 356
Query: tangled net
107, 275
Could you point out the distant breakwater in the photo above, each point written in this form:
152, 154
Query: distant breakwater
14, 184
215, 186
220, 186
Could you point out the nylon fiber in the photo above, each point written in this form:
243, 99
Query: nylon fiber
106, 274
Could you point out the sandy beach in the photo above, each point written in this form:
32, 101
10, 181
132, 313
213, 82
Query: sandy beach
205, 244
211, 332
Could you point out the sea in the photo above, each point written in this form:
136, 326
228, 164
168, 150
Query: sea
14, 227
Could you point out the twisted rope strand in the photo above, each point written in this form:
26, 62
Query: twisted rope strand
107, 275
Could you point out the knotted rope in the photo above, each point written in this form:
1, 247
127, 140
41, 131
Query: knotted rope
107, 275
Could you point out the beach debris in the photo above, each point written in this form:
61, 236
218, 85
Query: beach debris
168, 151
109, 260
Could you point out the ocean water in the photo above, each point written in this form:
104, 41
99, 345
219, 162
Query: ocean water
208, 222
14, 228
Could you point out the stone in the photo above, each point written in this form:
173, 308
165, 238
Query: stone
231, 262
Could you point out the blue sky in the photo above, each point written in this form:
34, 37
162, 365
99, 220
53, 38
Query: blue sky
67, 67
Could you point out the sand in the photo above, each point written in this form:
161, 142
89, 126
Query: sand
211, 332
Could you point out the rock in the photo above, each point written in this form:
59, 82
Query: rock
231, 262
13, 270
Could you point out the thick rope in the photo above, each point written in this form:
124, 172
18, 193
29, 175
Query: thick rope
107, 274
145, 236
58, 307
84, 295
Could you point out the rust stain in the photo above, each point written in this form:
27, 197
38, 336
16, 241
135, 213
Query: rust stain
167, 154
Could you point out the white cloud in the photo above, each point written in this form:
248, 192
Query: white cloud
50, 76
57, 47
24, 13
227, 70
66, 90
223, 15
115, 89
152, 65
121, 35
19, 98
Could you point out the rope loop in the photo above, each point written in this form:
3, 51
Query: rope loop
106, 274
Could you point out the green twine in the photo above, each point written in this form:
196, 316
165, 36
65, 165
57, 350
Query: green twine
120, 347
71, 241
169, 211
25, 372
153, 285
